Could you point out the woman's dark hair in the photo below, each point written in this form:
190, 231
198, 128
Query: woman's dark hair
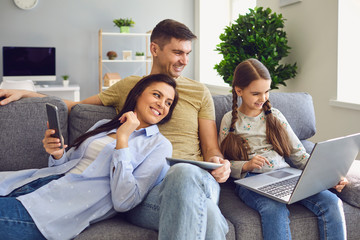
167, 29
130, 104
234, 146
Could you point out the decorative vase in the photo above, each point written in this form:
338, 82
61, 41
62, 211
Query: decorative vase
124, 29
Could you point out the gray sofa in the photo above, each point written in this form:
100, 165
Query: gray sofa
22, 126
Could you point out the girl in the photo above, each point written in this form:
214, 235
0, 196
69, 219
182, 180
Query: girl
110, 168
257, 137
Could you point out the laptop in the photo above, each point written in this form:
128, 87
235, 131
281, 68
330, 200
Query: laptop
328, 162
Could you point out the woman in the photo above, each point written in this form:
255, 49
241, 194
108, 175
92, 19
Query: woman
110, 168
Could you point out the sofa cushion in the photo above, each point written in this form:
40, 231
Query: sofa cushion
116, 228
308, 145
84, 116
119, 228
297, 108
351, 193
22, 127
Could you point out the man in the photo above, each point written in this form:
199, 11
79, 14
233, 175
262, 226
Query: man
187, 192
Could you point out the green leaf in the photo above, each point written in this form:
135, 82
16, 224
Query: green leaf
258, 34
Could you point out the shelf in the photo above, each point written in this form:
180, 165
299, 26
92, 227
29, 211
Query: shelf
123, 61
126, 34
147, 61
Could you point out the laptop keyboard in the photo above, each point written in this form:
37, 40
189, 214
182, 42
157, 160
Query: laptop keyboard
282, 188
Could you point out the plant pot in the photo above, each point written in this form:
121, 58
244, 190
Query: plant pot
140, 57
65, 83
111, 58
124, 29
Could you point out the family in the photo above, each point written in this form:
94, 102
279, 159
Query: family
161, 115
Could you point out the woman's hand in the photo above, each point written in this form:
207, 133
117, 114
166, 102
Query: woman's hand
221, 174
52, 145
257, 162
343, 182
130, 123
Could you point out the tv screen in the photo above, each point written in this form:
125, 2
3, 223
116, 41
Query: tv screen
34, 63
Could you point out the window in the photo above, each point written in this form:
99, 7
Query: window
348, 79
211, 18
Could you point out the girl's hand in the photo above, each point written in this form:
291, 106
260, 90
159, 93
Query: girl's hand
341, 184
130, 123
257, 162
52, 145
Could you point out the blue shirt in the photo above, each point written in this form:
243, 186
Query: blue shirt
65, 207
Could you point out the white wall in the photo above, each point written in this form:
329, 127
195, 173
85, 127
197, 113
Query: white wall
312, 32
72, 27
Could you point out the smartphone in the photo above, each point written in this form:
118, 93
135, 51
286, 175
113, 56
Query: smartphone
54, 123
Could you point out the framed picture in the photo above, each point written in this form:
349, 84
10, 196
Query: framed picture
127, 55
284, 3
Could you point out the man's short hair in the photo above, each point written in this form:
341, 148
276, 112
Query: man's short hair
167, 29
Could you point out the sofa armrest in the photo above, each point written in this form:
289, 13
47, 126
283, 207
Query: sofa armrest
351, 193
22, 128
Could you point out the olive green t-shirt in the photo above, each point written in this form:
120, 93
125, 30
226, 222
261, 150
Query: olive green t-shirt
182, 130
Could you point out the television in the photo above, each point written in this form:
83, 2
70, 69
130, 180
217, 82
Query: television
29, 63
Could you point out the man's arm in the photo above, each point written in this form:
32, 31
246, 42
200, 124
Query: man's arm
93, 100
211, 151
208, 139
11, 95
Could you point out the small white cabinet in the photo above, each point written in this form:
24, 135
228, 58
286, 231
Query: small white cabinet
71, 92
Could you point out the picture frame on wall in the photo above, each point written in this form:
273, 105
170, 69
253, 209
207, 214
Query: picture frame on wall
284, 3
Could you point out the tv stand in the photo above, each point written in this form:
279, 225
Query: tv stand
72, 92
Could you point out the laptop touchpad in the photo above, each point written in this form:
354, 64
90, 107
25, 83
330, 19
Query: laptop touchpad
279, 174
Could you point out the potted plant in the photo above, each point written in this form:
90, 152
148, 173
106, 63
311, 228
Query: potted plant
124, 24
65, 80
111, 55
258, 34
139, 56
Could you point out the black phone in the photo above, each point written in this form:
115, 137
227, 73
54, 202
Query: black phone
54, 123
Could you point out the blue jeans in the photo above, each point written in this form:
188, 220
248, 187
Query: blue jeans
15, 221
183, 206
275, 220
